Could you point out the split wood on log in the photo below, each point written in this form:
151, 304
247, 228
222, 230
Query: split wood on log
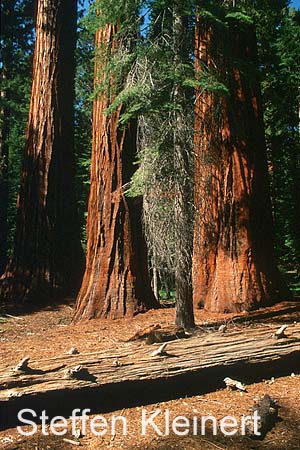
22, 366
279, 334
161, 351
236, 348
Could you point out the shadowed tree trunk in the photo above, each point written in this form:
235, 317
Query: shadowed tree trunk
233, 261
47, 254
116, 282
182, 216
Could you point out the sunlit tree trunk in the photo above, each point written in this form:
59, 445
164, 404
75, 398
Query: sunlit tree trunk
116, 281
233, 261
47, 256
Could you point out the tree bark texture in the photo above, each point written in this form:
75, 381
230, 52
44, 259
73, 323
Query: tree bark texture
116, 281
182, 215
47, 255
233, 260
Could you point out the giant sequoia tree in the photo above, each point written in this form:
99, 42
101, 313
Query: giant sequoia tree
116, 280
233, 261
47, 254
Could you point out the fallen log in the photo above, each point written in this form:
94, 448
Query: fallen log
198, 363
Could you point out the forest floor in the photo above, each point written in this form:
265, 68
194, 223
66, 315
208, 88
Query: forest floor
49, 332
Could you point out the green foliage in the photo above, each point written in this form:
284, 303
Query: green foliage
135, 101
17, 48
142, 180
137, 91
208, 82
83, 120
114, 61
279, 48
123, 13
240, 17
163, 295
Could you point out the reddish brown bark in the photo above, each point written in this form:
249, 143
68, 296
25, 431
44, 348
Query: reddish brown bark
233, 261
116, 280
47, 254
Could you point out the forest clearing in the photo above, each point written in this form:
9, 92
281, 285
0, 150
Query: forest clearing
199, 393
149, 224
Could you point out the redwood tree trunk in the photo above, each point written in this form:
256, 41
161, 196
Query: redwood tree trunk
233, 261
116, 281
47, 255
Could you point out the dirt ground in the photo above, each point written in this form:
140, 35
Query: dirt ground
49, 332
